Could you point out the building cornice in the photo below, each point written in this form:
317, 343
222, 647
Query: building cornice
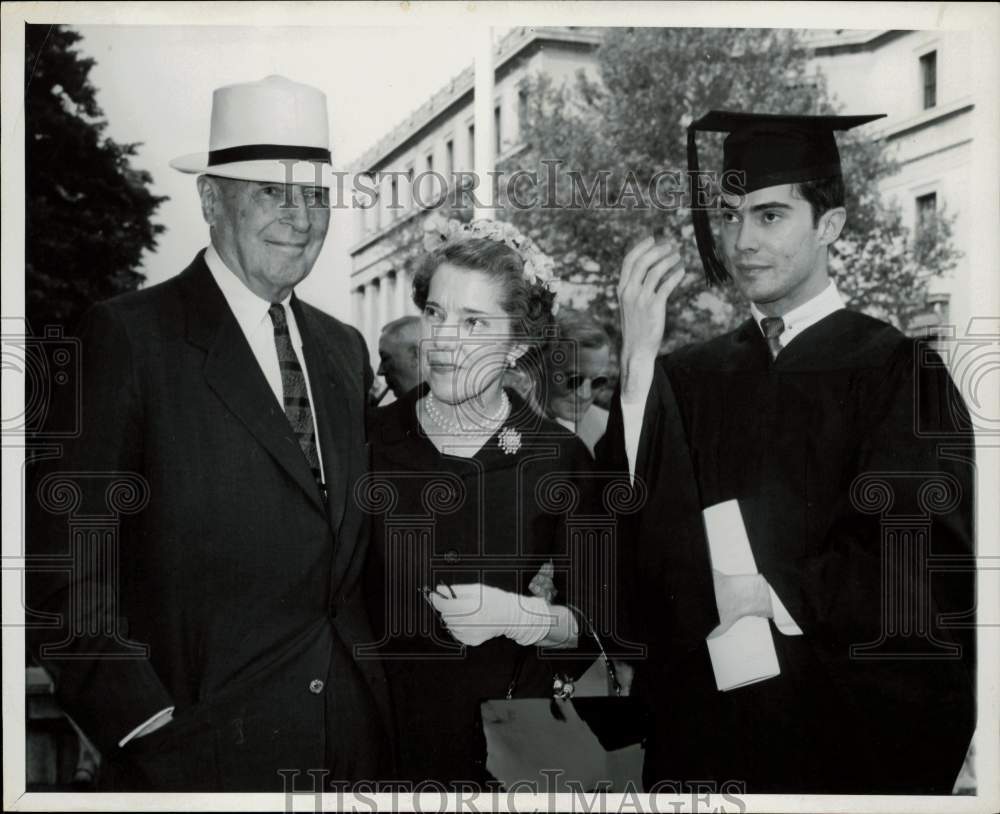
454, 93
924, 119
847, 42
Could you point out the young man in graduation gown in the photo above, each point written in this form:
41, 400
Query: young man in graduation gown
850, 454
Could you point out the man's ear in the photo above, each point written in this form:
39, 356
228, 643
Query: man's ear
210, 194
831, 224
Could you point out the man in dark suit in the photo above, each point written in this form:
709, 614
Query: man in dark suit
210, 645
815, 642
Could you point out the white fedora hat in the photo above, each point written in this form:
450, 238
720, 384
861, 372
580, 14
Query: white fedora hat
273, 130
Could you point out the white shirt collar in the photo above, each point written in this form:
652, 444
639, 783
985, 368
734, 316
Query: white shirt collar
249, 309
806, 315
569, 425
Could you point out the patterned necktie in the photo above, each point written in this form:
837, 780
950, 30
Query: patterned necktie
773, 327
293, 386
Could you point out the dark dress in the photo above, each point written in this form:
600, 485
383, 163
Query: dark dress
494, 518
851, 456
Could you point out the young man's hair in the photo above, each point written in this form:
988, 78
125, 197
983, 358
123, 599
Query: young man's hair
823, 194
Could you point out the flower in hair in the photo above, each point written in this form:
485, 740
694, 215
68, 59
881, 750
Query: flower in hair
538, 266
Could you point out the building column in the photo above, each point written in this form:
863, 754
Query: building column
372, 327
358, 308
384, 303
404, 302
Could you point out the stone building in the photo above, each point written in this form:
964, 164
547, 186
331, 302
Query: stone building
923, 81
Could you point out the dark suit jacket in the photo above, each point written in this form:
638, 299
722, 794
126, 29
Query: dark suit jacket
230, 588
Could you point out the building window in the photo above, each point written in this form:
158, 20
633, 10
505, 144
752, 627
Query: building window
449, 161
394, 198
472, 146
928, 75
497, 141
409, 187
926, 209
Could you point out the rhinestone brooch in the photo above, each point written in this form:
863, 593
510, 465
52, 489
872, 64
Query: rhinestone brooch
509, 440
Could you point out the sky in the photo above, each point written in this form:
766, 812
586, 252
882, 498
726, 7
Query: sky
155, 86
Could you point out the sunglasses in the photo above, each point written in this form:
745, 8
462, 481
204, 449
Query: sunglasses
575, 381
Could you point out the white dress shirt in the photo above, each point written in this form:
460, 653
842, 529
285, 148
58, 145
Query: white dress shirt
590, 428
806, 315
251, 314
797, 320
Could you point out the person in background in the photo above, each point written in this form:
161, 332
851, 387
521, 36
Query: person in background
577, 360
399, 355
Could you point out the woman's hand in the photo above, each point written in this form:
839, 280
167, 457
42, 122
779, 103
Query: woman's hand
476, 613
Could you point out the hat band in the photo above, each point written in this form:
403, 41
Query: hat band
267, 152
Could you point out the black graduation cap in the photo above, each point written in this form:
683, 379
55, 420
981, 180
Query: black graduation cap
769, 150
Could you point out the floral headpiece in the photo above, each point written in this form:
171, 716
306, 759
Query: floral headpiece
538, 266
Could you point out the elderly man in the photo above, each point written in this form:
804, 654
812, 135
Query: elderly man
222, 659
399, 355
805, 637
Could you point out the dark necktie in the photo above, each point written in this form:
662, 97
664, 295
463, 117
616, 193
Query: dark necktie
293, 386
773, 327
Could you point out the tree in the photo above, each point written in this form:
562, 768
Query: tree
631, 125
87, 210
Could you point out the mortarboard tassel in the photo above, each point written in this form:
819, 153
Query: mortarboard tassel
715, 270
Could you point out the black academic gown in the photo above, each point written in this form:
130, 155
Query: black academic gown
494, 518
851, 457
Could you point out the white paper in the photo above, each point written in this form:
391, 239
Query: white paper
745, 653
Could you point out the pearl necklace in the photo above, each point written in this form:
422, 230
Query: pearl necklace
451, 426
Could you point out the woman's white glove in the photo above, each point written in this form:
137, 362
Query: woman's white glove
480, 612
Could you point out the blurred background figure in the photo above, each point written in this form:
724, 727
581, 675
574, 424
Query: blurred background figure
524, 378
398, 350
577, 360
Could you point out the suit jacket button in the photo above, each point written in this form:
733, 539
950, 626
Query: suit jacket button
315, 686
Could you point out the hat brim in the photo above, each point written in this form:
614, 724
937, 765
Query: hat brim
302, 172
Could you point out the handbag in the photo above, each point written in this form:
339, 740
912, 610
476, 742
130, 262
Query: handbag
565, 744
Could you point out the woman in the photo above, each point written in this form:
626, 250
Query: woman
470, 492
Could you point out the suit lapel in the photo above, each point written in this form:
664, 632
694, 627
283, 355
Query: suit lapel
329, 372
232, 371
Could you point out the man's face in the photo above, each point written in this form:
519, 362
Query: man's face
573, 385
399, 361
269, 234
775, 254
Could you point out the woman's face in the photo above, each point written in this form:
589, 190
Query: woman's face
466, 336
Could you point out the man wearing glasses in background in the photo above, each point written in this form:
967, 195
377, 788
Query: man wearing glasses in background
576, 370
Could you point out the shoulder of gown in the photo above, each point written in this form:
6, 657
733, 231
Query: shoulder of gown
844, 339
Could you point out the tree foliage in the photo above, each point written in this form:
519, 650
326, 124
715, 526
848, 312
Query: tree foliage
631, 123
88, 211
